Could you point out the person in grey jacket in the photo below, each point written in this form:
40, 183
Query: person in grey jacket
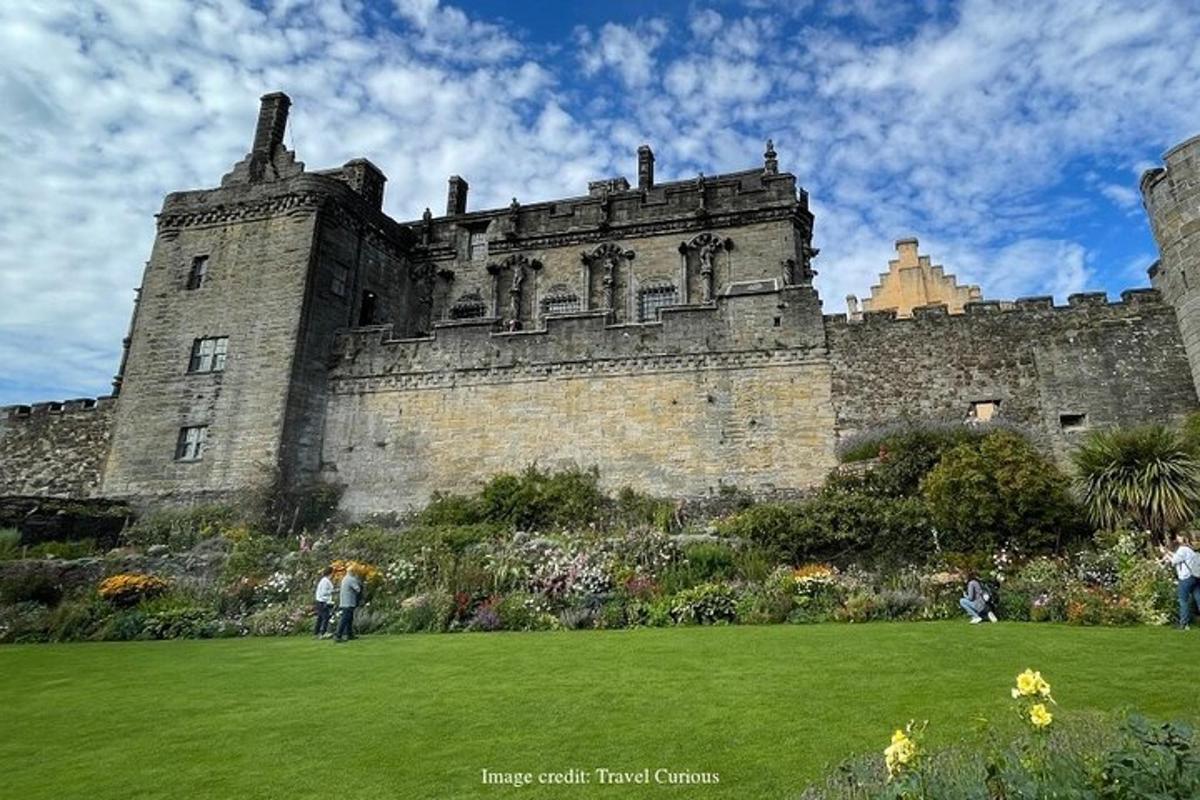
974, 602
349, 596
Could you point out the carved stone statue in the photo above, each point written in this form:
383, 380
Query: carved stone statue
514, 293
707, 252
609, 281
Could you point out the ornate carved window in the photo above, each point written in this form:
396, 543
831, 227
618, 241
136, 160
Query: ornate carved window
469, 306
560, 300
653, 299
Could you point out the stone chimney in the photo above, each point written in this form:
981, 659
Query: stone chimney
268, 159
645, 167
456, 198
272, 122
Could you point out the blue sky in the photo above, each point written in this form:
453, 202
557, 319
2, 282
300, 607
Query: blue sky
1008, 137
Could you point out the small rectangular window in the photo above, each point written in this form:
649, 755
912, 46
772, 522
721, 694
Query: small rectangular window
478, 246
341, 279
208, 355
1072, 422
198, 272
653, 300
983, 410
190, 445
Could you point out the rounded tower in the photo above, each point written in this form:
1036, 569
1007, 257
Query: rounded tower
1171, 194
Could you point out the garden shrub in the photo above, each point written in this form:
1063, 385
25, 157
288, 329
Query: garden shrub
10, 543
706, 604
180, 528
764, 604
532, 500
78, 620
429, 612
631, 509
128, 589
33, 582
254, 556
519, 612
839, 526
74, 549
178, 622
283, 620
1000, 491
1146, 475
125, 625
24, 622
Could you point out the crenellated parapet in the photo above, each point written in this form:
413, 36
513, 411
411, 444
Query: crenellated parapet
753, 316
613, 209
74, 406
1040, 309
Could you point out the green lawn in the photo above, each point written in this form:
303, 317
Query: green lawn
421, 716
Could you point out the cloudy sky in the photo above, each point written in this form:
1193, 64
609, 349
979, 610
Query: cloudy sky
1008, 137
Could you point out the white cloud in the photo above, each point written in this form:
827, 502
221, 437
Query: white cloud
629, 51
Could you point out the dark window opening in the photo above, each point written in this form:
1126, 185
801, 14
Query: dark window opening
366, 312
190, 445
1072, 422
778, 322
341, 279
198, 272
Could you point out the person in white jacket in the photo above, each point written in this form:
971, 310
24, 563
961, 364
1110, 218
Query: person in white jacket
1186, 563
324, 603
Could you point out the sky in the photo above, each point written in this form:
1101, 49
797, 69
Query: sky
1008, 137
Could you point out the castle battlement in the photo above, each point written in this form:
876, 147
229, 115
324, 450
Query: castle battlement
748, 317
1023, 308
55, 407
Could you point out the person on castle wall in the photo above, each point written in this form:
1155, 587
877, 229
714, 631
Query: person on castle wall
976, 601
1186, 563
349, 597
324, 604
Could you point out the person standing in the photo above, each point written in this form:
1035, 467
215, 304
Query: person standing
324, 604
349, 595
1186, 563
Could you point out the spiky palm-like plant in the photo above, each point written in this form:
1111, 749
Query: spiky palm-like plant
1145, 476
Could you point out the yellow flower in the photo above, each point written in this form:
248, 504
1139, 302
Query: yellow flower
1043, 688
1040, 716
1027, 682
899, 754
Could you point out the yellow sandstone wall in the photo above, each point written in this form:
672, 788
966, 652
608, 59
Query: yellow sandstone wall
912, 281
672, 425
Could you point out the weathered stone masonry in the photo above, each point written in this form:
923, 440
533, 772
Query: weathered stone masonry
668, 334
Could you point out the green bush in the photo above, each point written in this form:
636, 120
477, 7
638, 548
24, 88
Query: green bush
124, 626
24, 622
532, 500
1000, 491
838, 526
632, 509
10, 544
1147, 476
77, 548
180, 528
906, 452
426, 613
254, 556
78, 620
33, 582
706, 604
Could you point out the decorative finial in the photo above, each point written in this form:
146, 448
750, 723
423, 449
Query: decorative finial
770, 160
428, 215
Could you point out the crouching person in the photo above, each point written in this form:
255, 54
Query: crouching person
976, 601
349, 596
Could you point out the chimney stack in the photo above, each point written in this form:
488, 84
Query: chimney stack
272, 122
645, 167
456, 198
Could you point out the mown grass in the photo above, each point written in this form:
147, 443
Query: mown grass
767, 708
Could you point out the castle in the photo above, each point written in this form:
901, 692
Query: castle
667, 333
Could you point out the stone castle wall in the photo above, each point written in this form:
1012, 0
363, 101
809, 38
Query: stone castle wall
737, 393
1054, 371
54, 449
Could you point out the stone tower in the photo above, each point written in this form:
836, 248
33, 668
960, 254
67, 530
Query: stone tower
1171, 195
224, 383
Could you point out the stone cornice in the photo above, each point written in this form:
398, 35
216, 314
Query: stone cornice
629, 230
576, 369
